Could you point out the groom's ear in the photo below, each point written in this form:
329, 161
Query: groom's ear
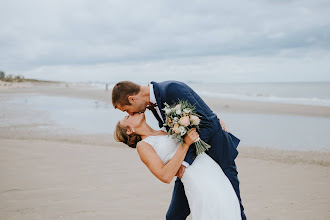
131, 99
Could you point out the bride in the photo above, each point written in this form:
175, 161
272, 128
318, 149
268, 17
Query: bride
210, 194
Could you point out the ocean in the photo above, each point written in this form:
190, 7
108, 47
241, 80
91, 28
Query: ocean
292, 93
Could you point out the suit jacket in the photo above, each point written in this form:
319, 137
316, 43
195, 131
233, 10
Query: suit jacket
223, 145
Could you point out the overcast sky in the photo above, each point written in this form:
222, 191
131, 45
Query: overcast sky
224, 41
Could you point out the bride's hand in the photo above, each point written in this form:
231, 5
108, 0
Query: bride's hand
191, 136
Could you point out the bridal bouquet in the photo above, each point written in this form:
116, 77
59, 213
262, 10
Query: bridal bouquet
180, 117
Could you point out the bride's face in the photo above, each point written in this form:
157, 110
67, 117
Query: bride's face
133, 121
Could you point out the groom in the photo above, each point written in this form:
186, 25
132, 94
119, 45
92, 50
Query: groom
132, 98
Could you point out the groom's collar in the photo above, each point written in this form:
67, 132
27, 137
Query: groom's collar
152, 94
156, 94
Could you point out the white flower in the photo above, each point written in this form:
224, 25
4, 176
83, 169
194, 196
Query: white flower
178, 106
167, 111
177, 109
186, 110
175, 118
182, 130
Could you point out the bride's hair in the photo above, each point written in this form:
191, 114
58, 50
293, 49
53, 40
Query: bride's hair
121, 135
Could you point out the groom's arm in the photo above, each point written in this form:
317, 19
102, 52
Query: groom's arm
176, 91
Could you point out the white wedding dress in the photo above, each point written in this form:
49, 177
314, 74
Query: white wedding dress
209, 192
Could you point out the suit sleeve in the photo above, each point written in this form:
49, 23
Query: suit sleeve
177, 91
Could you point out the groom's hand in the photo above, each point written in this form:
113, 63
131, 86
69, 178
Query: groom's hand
181, 171
223, 126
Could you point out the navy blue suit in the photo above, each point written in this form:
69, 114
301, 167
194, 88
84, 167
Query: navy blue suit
223, 145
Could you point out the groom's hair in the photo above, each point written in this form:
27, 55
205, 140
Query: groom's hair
122, 90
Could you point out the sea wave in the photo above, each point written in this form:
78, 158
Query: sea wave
268, 98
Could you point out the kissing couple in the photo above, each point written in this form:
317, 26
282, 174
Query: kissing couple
207, 185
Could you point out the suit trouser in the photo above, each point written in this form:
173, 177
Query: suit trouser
179, 207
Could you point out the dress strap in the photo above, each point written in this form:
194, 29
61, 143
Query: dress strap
149, 140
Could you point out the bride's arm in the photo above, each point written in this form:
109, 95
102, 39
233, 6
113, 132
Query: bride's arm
165, 172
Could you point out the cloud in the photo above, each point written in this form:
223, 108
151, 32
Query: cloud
280, 68
41, 35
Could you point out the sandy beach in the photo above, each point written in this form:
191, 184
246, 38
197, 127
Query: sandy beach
47, 174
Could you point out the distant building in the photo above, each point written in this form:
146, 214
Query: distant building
2, 74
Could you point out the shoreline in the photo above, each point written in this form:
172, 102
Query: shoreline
86, 91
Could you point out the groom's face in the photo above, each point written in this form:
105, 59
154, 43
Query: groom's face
135, 107
137, 104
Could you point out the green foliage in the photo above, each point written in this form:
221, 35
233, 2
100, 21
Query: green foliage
14, 79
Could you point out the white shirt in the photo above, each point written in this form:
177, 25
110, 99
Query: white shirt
153, 100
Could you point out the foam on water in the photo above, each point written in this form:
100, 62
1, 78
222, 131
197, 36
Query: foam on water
260, 98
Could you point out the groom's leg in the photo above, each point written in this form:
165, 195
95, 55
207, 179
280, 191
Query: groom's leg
179, 207
231, 173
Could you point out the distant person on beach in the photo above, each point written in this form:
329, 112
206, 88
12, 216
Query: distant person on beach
200, 187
